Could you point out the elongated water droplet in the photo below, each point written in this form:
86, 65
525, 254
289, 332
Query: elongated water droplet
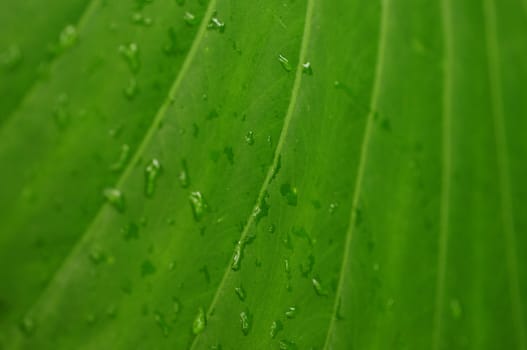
162, 324
290, 194
240, 292
198, 204
291, 312
245, 322
307, 69
183, 178
130, 231
139, 19
68, 37
276, 327
130, 91
286, 345
285, 63
114, 197
262, 209
130, 53
123, 159
190, 19
199, 322
318, 287
238, 255
152, 171
249, 138
216, 24
61, 111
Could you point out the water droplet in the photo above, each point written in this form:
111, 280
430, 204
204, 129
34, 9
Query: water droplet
271, 228
147, 268
286, 345
172, 48
160, 321
61, 111
455, 308
249, 138
152, 171
190, 19
318, 287
245, 322
276, 327
96, 255
240, 292
183, 178
262, 209
285, 63
68, 37
291, 312
114, 197
199, 322
216, 24
307, 69
130, 91
238, 255
130, 231
11, 57
27, 326
139, 19
130, 53
290, 194
333, 208
229, 153
198, 204
123, 159
307, 267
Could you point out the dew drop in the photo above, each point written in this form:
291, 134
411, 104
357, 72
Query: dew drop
199, 322
245, 322
238, 255
307, 69
184, 180
123, 159
130, 53
285, 63
286, 345
319, 290
276, 327
27, 326
240, 292
11, 57
249, 138
61, 111
68, 37
96, 256
190, 19
139, 19
130, 231
152, 171
289, 193
291, 312
130, 91
198, 204
216, 24
333, 207
114, 197
161, 323
262, 209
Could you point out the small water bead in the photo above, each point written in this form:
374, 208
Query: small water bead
130, 53
291, 312
262, 209
96, 256
200, 322
319, 290
216, 24
123, 159
190, 19
114, 197
307, 69
139, 19
160, 321
61, 111
11, 57
238, 255
333, 207
286, 345
290, 194
130, 231
27, 326
249, 138
184, 180
285, 63
130, 91
198, 204
240, 292
276, 327
68, 37
245, 322
152, 171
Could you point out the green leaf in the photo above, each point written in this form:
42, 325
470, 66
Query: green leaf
269, 174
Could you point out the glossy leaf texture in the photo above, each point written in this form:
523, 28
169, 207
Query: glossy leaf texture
278, 174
